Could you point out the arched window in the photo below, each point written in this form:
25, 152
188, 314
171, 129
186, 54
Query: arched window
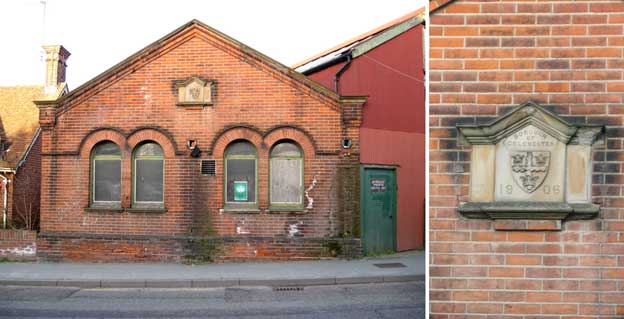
240, 172
106, 174
286, 174
148, 175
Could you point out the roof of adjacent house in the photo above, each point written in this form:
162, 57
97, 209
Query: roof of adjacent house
365, 41
437, 4
19, 121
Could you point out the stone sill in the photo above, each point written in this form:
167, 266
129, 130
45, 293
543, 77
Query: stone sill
96, 209
156, 210
103, 209
529, 210
240, 209
193, 105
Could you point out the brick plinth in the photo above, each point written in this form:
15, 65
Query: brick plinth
16, 244
188, 249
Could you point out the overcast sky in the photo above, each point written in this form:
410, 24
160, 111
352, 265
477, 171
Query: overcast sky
99, 34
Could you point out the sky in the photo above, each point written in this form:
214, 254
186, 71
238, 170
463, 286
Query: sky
100, 34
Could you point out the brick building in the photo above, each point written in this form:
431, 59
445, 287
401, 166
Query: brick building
20, 144
487, 58
198, 147
387, 65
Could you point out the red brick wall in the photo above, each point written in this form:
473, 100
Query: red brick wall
26, 189
249, 94
487, 57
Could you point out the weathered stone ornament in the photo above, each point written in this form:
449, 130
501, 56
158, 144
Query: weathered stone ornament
530, 164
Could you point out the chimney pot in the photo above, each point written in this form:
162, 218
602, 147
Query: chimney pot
56, 57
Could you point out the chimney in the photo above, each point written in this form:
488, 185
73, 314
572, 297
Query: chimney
56, 56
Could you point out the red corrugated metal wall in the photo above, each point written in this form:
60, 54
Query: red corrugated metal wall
393, 129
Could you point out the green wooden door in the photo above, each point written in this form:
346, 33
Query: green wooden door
378, 209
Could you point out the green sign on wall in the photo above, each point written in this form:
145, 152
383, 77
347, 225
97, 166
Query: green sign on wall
240, 190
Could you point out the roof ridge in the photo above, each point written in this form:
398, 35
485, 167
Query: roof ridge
148, 50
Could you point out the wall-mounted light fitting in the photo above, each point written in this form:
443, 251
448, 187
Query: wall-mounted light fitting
192, 145
346, 143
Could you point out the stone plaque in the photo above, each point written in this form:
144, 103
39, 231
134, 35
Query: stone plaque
194, 91
530, 164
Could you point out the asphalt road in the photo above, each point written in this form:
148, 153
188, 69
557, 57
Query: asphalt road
363, 301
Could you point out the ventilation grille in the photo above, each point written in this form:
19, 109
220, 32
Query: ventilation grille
390, 265
287, 288
208, 167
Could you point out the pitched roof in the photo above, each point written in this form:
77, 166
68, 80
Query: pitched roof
416, 16
144, 55
434, 5
19, 118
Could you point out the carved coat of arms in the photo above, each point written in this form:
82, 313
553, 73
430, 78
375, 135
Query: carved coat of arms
529, 168
195, 93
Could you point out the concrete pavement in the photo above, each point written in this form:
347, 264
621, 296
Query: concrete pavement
409, 266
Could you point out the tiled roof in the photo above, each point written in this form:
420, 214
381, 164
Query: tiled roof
19, 117
436, 4
361, 37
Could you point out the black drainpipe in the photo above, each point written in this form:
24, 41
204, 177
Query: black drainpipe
339, 73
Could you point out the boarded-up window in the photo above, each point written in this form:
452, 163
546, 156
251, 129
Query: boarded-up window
286, 174
240, 172
148, 173
106, 173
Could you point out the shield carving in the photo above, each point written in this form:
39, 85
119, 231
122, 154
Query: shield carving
529, 168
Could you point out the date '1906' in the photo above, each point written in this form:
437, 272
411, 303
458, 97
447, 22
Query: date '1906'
545, 189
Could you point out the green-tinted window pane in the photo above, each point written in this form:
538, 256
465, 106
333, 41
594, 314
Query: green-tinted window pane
240, 148
240, 191
107, 180
241, 170
286, 181
107, 148
286, 149
149, 180
149, 149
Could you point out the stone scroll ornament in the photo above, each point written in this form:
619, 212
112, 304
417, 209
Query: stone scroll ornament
530, 164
